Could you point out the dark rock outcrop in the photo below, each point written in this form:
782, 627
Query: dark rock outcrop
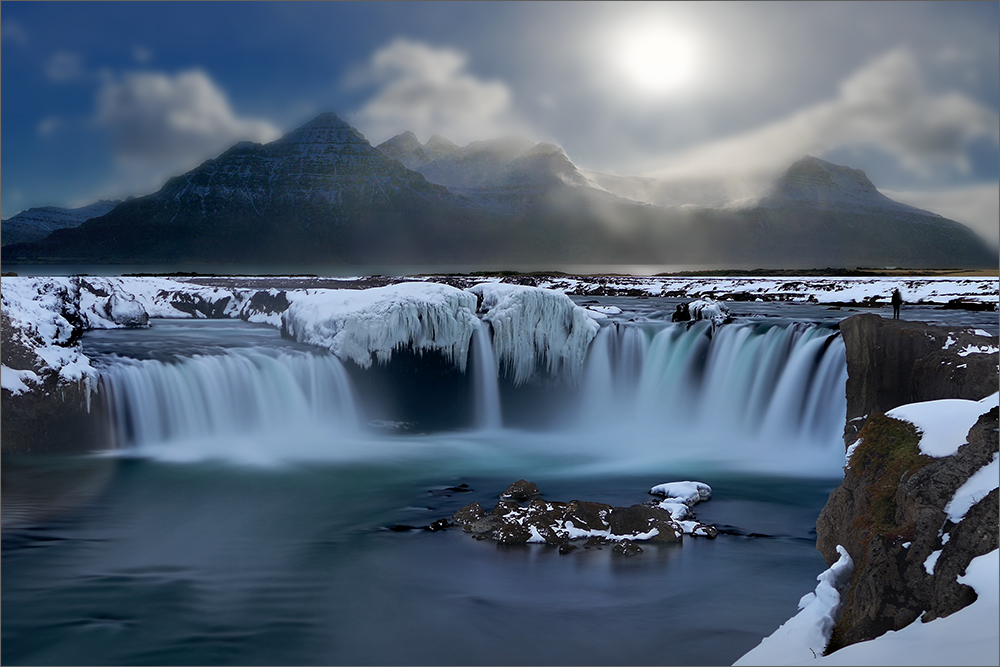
889, 512
558, 523
895, 362
521, 490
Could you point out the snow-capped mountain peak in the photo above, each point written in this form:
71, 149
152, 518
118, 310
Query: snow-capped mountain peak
325, 133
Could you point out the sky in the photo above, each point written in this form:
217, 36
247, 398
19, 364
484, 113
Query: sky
108, 99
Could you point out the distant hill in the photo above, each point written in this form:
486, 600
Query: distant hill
37, 223
324, 194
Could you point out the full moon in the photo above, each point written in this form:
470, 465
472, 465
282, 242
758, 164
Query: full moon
656, 59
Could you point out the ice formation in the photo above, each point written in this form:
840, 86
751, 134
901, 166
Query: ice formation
533, 326
707, 309
357, 324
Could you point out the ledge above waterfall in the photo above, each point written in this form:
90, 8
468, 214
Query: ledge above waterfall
532, 324
362, 324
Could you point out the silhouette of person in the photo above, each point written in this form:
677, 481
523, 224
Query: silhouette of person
897, 301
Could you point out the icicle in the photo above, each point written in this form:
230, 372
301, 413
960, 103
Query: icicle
532, 325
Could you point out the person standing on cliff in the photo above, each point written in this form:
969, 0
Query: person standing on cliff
897, 301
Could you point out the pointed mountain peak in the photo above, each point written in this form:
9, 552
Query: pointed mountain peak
326, 128
327, 119
403, 143
437, 142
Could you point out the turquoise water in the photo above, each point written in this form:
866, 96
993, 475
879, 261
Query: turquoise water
212, 563
266, 540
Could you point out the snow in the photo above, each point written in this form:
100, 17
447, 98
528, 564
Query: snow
931, 561
803, 637
977, 487
37, 309
707, 309
978, 349
531, 324
822, 290
970, 636
14, 380
689, 493
357, 324
943, 424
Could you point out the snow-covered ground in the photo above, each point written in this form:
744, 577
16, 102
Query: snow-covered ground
819, 290
970, 636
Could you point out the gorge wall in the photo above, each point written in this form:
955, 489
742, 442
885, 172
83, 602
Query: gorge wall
890, 512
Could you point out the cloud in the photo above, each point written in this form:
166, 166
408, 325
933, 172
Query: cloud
883, 105
49, 125
141, 54
158, 120
64, 66
428, 90
13, 32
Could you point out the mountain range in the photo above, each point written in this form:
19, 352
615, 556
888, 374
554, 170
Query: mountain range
37, 223
322, 194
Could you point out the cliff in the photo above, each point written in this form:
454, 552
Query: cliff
892, 510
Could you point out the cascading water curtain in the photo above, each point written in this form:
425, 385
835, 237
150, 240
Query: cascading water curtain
753, 381
241, 391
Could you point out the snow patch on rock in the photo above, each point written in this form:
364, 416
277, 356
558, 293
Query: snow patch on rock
943, 424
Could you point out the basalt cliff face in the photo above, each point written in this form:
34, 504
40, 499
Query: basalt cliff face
890, 510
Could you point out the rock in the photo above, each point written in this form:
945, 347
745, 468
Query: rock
440, 524
511, 533
566, 548
468, 516
126, 312
521, 490
641, 520
627, 548
889, 514
588, 515
895, 362
486, 526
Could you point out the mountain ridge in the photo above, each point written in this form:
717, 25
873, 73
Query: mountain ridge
323, 193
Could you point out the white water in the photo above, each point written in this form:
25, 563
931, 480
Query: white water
487, 386
744, 396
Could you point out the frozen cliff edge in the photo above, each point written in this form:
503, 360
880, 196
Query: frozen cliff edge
361, 324
48, 383
918, 508
532, 325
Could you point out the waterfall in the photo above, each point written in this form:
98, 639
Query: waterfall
716, 392
486, 387
647, 392
239, 392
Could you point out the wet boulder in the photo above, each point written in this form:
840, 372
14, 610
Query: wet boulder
521, 490
645, 523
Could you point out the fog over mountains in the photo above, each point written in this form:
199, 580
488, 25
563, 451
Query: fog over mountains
322, 194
